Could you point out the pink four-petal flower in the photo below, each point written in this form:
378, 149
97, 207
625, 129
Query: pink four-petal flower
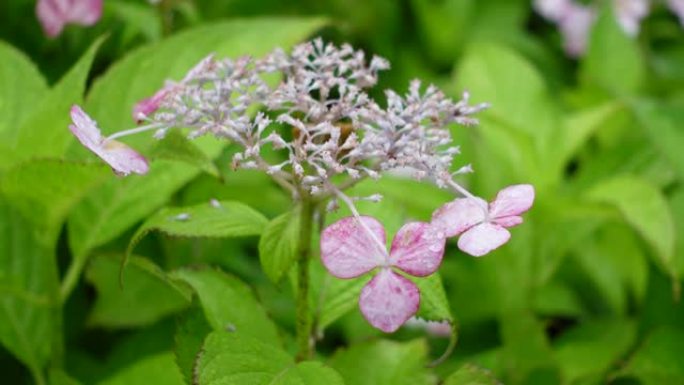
55, 14
483, 227
348, 250
122, 159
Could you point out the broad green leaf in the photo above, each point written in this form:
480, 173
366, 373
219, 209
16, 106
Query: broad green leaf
20, 85
217, 219
677, 204
279, 244
232, 359
60, 377
46, 132
191, 330
144, 296
382, 362
229, 304
157, 369
526, 351
337, 297
45, 190
177, 147
118, 204
519, 97
613, 59
28, 291
470, 374
663, 126
434, 305
644, 207
593, 347
659, 359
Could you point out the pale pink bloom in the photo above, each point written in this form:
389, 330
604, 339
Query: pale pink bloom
354, 246
55, 14
552, 10
122, 159
677, 6
483, 227
629, 14
575, 27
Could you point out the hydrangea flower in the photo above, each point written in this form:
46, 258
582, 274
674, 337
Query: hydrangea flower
482, 227
354, 246
121, 158
55, 14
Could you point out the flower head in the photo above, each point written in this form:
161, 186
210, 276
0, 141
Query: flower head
354, 246
122, 159
483, 227
55, 14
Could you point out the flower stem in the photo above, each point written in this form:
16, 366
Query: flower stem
304, 337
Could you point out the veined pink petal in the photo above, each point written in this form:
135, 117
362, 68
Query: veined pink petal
417, 249
513, 200
459, 215
121, 158
389, 300
508, 221
347, 250
483, 238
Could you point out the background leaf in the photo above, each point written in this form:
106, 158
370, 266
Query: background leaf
278, 245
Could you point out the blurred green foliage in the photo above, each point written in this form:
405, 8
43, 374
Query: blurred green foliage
587, 291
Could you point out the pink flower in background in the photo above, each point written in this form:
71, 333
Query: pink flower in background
354, 246
575, 27
677, 6
55, 14
629, 14
483, 227
553, 10
121, 158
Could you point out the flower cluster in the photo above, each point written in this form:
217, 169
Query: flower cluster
330, 134
575, 19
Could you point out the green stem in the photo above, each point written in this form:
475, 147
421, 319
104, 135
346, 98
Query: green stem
72, 276
304, 338
38, 376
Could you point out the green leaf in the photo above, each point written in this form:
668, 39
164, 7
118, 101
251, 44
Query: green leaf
644, 207
45, 190
158, 369
470, 374
219, 219
191, 330
60, 377
662, 124
229, 304
144, 296
613, 59
383, 362
593, 347
526, 350
279, 243
659, 359
434, 305
232, 359
175, 146
22, 84
46, 132
28, 288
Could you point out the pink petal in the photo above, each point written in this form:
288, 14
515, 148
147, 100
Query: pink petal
121, 158
85, 12
508, 221
513, 200
348, 250
149, 105
552, 10
483, 238
677, 6
575, 28
629, 14
389, 300
52, 18
417, 249
459, 215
